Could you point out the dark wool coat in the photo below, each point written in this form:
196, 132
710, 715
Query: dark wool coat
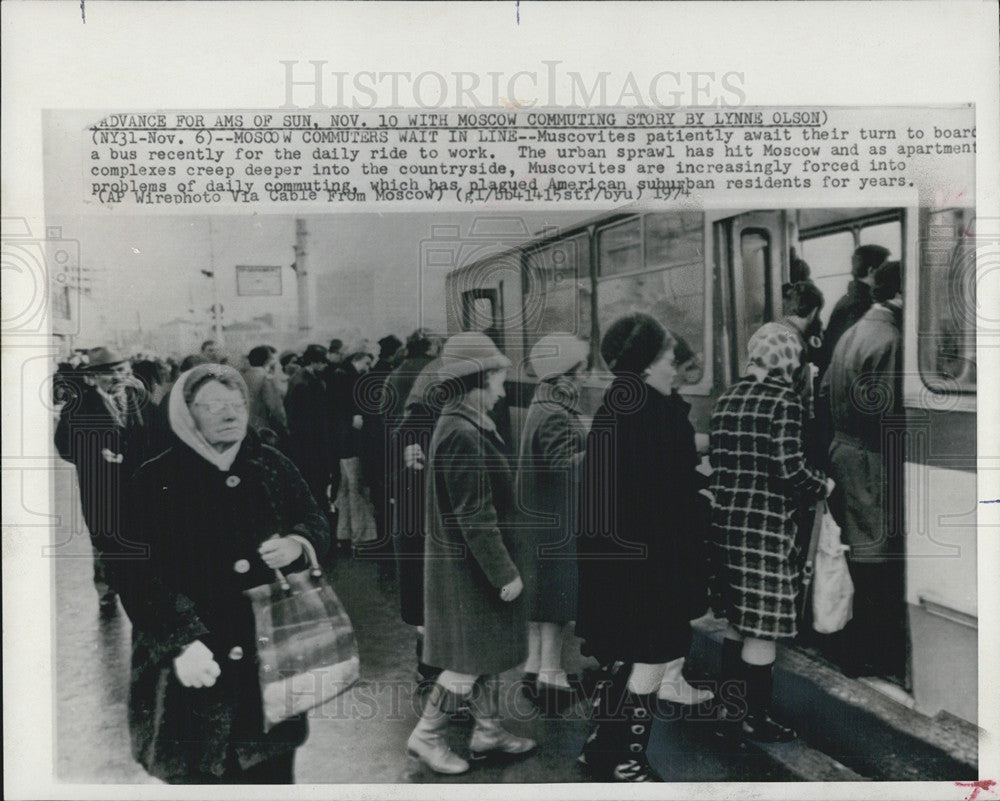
398, 386
639, 539
311, 440
759, 475
409, 508
267, 408
86, 429
863, 387
469, 551
202, 528
411, 420
847, 311
343, 403
373, 439
548, 479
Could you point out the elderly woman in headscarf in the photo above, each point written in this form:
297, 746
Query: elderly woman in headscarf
759, 476
638, 549
548, 475
474, 617
216, 514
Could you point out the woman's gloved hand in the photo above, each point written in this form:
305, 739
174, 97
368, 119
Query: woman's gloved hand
413, 457
508, 592
196, 666
279, 551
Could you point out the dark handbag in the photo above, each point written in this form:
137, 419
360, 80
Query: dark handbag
305, 642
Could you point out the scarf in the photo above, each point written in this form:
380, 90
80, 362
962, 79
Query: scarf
774, 353
183, 424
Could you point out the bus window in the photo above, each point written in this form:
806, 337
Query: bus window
829, 259
655, 265
478, 309
557, 296
620, 248
889, 235
829, 246
947, 304
755, 261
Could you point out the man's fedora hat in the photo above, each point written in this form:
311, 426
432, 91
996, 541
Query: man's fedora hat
102, 360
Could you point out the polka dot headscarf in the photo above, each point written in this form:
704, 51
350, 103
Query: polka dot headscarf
774, 353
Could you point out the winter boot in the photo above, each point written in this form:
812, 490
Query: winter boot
427, 741
488, 736
758, 724
730, 692
675, 688
631, 764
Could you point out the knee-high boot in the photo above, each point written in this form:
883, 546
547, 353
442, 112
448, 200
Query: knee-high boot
606, 707
632, 735
758, 724
730, 692
488, 736
427, 741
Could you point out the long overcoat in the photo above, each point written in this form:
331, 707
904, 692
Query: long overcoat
412, 420
759, 476
311, 441
548, 479
639, 537
202, 528
470, 550
106, 448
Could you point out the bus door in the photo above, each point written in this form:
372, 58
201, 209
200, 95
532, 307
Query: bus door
752, 251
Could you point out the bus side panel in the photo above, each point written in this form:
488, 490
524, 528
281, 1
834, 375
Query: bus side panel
941, 589
941, 565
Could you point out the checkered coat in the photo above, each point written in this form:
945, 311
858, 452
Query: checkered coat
759, 474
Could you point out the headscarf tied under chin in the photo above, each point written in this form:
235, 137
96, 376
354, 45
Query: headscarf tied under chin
182, 422
774, 353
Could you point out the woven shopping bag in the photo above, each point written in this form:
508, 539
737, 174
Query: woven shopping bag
306, 649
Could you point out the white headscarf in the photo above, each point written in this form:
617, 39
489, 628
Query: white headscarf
183, 424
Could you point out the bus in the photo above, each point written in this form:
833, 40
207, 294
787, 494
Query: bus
713, 277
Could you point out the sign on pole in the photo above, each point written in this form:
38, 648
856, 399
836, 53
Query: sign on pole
258, 280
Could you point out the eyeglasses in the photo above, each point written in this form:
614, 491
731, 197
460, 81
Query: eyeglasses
217, 407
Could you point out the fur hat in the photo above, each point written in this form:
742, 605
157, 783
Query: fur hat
556, 354
632, 343
469, 353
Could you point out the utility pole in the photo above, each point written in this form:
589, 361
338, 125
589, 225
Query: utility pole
302, 276
210, 273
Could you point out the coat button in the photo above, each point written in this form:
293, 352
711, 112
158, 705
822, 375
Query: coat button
233, 481
241, 566
236, 654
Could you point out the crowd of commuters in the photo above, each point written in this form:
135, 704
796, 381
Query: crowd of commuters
403, 452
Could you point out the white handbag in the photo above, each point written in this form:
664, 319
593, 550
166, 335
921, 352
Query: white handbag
832, 588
